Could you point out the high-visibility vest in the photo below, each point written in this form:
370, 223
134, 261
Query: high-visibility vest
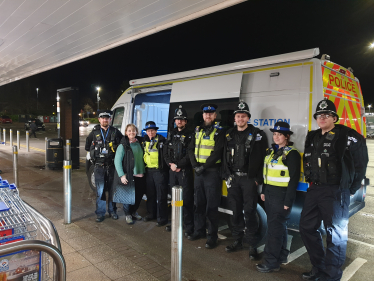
275, 172
204, 145
151, 154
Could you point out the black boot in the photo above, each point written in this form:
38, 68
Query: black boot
237, 245
311, 275
253, 255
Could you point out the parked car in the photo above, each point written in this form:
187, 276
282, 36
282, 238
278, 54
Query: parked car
38, 123
5, 119
84, 122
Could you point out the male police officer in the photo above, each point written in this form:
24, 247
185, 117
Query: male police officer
205, 152
335, 161
180, 173
155, 175
245, 149
102, 143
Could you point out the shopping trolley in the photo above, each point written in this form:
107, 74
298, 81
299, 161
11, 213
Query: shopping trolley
29, 244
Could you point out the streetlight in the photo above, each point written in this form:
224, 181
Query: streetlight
369, 106
98, 97
37, 95
372, 45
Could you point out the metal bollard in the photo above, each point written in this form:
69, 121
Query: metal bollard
68, 150
4, 136
1, 137
15, 165
18, 140
176, 233
45, 147
27, 142
67, 191
10, 137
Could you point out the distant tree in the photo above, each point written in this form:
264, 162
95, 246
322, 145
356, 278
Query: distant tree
88, 109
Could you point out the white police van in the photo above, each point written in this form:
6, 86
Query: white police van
278, 88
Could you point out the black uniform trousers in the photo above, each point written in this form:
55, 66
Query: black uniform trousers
330, 204
140, 190
184, 178
242, 195
208, 190
276, 240
157, 205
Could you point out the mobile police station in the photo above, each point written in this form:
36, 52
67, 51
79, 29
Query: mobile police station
284, 87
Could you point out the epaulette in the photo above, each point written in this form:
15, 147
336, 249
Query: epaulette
287, 148
197, 128
217, 126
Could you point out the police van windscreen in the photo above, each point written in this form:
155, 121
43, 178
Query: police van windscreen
152, 107
224, 112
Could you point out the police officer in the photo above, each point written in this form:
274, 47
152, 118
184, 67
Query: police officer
281, 178
245, 149
155, 175
205, 152
102, 143
335, 161
180, 173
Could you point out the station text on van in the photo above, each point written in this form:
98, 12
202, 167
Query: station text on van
268, 122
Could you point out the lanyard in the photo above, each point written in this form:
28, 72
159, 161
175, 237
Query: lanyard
103, 134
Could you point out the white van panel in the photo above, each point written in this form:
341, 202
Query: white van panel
287, 106
218, 87
272, 80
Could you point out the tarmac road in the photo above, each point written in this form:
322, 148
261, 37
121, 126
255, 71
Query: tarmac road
43, 190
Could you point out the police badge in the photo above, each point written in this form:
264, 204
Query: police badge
323, 105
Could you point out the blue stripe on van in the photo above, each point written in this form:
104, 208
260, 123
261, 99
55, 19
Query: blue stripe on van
302, 186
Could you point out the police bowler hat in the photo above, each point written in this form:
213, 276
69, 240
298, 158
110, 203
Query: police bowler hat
180, 113
283, 128
326, 106
209, 107
150, 125
105, 113
243, 108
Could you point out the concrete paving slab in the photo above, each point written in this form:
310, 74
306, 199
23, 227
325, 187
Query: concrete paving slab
98, 254
118, 267
75, 261
89, 273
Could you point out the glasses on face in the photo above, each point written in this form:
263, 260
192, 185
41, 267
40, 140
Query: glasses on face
323, 116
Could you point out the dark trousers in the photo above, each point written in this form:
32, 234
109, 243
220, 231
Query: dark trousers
208, 190
33, 133
184, 178
242, 195
104, 181
140, 190
157, 195
276, 240
330, 204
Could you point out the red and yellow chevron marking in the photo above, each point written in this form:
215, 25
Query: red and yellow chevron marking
340, 86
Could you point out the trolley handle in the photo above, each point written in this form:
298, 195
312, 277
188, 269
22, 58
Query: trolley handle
37, 245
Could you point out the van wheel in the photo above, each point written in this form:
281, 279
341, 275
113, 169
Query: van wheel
91, 177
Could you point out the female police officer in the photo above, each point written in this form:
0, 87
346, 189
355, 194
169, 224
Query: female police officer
281, 177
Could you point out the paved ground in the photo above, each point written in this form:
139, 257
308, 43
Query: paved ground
113, 250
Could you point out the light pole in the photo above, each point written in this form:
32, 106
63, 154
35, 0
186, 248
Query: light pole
98, 97
37, 95
371, 45
369, 106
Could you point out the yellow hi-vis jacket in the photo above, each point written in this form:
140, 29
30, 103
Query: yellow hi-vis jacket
204, 145
151, 155
275, 172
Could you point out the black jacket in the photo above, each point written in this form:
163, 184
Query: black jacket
353, 157
256, 156
185, 161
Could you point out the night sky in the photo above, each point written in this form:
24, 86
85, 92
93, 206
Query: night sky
253, 29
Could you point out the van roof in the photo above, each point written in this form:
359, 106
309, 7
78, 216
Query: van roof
300, 55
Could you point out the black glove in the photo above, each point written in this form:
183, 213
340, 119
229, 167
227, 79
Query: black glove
199, 170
